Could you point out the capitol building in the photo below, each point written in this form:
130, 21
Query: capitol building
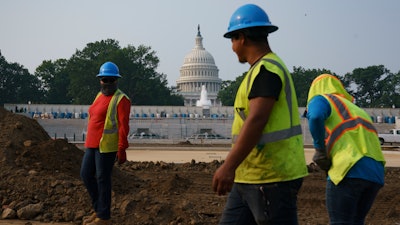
199, 70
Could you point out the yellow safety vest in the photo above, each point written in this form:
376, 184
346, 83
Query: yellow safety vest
109, 139
350, 136
279, 154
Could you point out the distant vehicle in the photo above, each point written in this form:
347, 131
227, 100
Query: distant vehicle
217, 136
207, 136
198, 136
144, 135
392, 137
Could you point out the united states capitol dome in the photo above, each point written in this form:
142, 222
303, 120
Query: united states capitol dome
198, 69
199, 56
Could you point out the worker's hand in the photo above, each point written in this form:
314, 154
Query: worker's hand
121, 156
321, 159
223, 180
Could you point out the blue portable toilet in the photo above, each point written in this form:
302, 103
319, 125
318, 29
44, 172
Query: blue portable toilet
83, 115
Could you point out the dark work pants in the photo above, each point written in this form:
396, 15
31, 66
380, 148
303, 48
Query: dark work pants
348, 202
262, 204
96, 170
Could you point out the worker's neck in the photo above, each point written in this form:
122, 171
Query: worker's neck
257, 54
254, 58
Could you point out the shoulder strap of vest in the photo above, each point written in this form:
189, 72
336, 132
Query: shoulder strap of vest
288, 91
97, 96
113, 113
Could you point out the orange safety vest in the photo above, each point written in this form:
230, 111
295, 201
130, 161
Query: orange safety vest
350, 136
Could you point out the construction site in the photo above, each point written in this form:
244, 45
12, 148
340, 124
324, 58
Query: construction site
40, 184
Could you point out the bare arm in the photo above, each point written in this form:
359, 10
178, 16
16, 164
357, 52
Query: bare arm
259, 112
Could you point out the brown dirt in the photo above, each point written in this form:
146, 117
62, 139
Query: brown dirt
36, 169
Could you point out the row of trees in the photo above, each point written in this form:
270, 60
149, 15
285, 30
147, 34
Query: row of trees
372, 87
73, 80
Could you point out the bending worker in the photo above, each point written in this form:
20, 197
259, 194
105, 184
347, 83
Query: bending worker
347, 147
265, 168
107, 132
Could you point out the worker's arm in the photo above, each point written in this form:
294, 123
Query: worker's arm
259, 112
318, 110
124, 110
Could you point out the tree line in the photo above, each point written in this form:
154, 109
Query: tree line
372, 87
73, 80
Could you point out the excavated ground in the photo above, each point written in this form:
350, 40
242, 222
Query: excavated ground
39, 181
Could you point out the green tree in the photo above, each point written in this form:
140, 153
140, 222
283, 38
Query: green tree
55, 81
143, 84
394, 85
83, 66
373, 86
228, 90
139, 81
17, 85
302, 79
390, 94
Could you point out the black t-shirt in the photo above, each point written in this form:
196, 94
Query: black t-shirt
266, 84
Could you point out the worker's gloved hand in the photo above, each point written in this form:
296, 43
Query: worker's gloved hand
121, 156
321, 159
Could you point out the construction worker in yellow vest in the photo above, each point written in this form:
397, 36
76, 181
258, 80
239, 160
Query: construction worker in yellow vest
347, 147
265, 168
106, 142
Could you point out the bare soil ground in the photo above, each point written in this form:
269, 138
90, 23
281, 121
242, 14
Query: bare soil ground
36, 170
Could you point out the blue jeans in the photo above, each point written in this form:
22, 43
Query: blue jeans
96, 173
348, 202
272, 204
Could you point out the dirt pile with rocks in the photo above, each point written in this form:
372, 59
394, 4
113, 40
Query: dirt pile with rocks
39, 180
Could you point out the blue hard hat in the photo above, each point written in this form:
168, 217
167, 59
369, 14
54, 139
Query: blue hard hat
249, 15
109, 69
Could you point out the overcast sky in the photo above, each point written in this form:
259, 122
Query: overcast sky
314, 34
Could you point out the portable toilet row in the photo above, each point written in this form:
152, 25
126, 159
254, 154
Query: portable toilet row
384, 119
57, 115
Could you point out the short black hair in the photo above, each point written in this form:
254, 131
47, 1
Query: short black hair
256, 34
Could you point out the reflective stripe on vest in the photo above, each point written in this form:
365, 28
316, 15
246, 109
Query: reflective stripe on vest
281, 134
348, 122
113, 117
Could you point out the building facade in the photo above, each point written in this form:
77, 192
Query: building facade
198, 69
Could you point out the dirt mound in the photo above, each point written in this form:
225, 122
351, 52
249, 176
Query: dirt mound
39, 180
